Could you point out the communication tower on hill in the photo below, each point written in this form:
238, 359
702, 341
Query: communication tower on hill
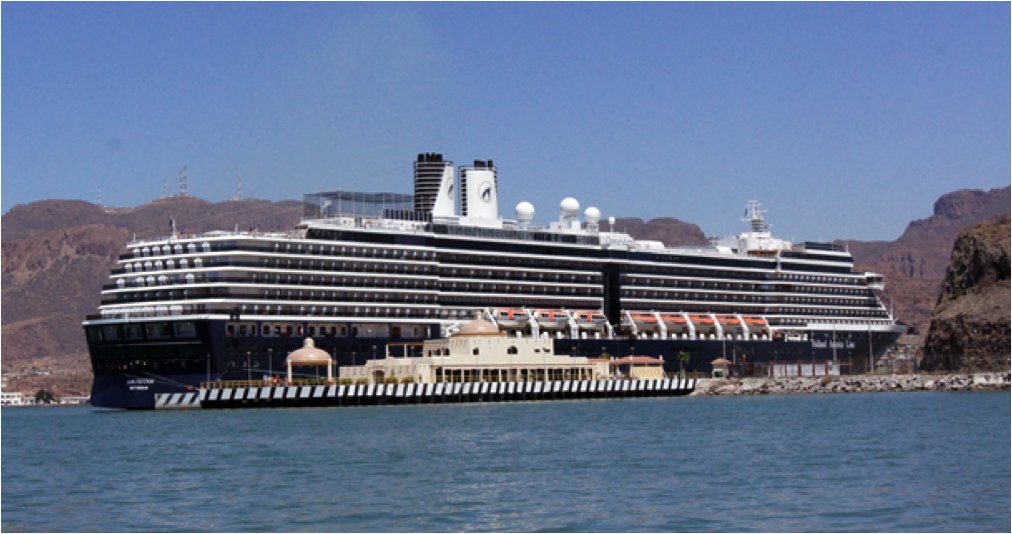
98, 195
165, 189
183, 191
238, 186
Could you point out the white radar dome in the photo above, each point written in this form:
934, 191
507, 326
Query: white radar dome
570, 207
592, 215
525, 212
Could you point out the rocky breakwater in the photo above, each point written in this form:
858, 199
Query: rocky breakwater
854, 384
971, 324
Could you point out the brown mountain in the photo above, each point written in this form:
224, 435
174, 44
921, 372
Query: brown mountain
971, 325
671, 232
914, 265
56, 254
152, 219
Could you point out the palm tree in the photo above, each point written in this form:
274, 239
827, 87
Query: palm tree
682, 358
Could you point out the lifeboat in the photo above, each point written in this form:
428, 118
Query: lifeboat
644, 321
551, 319
703, 325
672, 319
757, 326
701, 319
732, 327
512, 319
589, 320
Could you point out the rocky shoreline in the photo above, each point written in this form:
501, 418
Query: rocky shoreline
854, 384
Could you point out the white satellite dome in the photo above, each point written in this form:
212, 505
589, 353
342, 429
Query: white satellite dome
570, 207
525, 212
592, 215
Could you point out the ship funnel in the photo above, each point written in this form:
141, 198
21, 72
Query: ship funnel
434, 185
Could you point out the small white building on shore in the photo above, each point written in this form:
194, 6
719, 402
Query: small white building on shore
477, 353
11, 399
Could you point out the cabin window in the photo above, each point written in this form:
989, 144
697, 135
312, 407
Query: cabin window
185, 330
157, 330
133, 331
110, 332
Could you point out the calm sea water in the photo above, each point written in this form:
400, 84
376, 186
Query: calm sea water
872, 462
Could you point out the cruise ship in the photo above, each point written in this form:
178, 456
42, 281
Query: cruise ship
363, 272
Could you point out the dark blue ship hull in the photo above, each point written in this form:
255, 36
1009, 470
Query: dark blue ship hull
128, 374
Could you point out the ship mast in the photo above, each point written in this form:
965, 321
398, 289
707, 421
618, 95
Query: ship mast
754, 215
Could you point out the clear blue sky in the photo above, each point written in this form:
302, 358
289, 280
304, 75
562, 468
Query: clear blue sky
846, 120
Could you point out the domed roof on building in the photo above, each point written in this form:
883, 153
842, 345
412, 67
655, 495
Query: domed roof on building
308, 355
479, 327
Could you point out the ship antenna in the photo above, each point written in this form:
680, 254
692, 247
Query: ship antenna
754, 215
183, 189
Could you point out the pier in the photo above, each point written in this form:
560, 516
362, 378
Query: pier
210, 396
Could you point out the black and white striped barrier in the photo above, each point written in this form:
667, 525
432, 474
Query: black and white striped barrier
379, 394
176, 401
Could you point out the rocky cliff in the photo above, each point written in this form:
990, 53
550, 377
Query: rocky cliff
914, 264
971, 324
